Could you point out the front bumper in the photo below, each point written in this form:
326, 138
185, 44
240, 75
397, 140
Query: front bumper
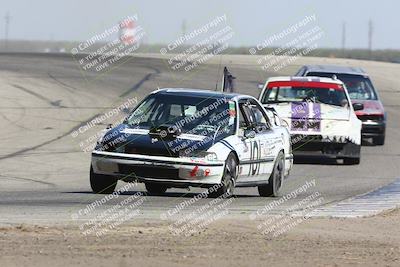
158, 169
373, 128
317, 146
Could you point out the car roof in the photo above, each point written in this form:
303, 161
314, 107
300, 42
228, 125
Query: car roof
335, 69
197, 93
305, 79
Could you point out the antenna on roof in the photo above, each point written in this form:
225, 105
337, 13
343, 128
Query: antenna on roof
219, 67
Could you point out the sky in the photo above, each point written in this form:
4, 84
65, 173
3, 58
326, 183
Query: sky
252, 20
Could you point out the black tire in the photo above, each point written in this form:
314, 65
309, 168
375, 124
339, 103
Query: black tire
351, 161
226, 188
379, 140
102, 184
155, 189
275, 180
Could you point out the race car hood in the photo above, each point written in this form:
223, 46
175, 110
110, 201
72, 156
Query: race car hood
126, 139
307, 110
331, 122
371, 107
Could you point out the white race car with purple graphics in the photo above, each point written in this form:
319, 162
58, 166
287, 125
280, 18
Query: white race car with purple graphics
319, 114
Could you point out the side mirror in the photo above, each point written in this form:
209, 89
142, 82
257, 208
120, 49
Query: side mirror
260, 86
249, 133
358, 106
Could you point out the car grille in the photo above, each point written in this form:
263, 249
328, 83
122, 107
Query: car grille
296, 138
371, 117
309, 124
152, 151
149, 171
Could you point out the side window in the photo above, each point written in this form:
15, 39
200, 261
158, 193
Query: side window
252, 115
258, 115
245, 118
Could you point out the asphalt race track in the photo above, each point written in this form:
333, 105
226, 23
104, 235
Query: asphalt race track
45, 98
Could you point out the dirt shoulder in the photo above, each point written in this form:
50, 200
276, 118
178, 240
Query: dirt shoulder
316, 242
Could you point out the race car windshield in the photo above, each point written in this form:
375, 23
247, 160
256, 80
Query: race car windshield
358, 86
192, 115
329, 96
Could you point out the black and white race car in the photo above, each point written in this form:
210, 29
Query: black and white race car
187, 137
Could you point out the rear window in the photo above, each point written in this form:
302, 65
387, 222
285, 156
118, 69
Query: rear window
282, 94
359, 87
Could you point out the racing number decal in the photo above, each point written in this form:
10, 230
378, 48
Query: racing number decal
255, 154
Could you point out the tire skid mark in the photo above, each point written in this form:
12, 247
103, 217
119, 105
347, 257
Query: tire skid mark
21, 151
56, 119
68, 87
21, 116
27, 179
141, 82
13, 122
39, 96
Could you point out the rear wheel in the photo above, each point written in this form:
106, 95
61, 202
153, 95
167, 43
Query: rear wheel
155, 189
275, 180
102, 184
227, 186
379, 140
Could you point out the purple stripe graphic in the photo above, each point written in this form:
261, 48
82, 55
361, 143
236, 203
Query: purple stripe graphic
315, 124
300, 112
301, 117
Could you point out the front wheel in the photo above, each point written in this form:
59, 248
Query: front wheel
275, 180
225, 189
102, 184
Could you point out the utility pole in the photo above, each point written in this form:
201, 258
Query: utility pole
370, 33
7, 19
343, 37
183, 27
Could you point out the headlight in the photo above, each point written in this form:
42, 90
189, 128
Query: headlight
101, 135
99, 143
208, 156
